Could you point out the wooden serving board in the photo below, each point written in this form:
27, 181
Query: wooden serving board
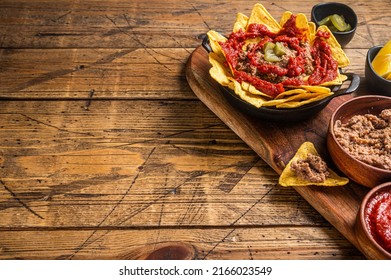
276, 143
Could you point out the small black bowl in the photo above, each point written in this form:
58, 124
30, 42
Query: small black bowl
322, 10
375, 82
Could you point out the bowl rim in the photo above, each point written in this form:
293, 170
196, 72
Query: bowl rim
363, 206
345, 6
332, 133
369, 61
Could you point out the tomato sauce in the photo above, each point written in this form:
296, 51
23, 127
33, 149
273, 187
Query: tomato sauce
325, 67
378, 218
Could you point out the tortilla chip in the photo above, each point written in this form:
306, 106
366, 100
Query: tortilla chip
274, 102
241, 22
214, 39
291, 92
285, 17
337, 51
319, 89
254, 91
245, 95
337, 81
312, 28
260, 15
289, 179
291, 103
218, 72
301, 23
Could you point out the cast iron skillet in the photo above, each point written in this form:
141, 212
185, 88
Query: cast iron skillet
282, 114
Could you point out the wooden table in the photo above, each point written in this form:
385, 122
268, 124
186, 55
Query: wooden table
106, 153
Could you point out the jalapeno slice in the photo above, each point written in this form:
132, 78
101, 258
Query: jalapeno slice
273, 52
279, 49
339, 22
325, 21
271, 56
336, 23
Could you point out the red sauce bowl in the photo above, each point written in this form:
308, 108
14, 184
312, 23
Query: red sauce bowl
373, 223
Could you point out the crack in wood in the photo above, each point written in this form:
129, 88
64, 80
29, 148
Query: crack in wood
165, 136
55, 127
20, 201
59, 73
159, 226
52, 34
233, 179
193, 176
61, 189
86, 242
89, 100
199, 13
60, 17
134, 37
235, 222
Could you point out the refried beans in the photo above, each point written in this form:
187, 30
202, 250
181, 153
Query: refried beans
312, 169
367, 138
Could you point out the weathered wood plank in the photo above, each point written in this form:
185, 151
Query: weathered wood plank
110, 73
152, 24
208, 243
134, 163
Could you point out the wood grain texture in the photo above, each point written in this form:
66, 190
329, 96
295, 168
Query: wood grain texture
144, 163
106, 152
300, 243
151, 24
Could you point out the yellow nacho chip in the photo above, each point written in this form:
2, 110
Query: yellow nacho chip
301, 23
241, 22
337, 53
337, 81
311, 97
214, 39
318, 89
288, 177
274, 102
285, 17
260, 15
218, 72
245, 95
312, 27
254, 91
291, 92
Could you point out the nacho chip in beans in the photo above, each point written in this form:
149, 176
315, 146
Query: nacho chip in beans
307, 168
282, 64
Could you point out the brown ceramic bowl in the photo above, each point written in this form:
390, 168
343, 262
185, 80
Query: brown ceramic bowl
369, 246
358, 171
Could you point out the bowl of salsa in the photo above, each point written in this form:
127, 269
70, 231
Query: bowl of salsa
373, 224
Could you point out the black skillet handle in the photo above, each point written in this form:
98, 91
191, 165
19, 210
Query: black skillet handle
354, 84
205, 43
